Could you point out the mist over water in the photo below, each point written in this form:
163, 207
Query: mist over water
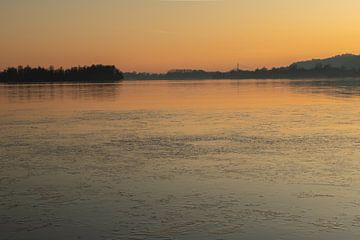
181, 160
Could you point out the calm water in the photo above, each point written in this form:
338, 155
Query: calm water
181, 160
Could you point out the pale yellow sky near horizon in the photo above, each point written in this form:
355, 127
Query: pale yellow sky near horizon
158, 35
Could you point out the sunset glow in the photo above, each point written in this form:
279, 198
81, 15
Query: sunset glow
158, 35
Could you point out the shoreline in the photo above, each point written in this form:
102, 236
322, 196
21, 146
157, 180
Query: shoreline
327, 79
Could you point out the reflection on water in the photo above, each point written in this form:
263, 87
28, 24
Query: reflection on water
51, 92
343, 88
180, 160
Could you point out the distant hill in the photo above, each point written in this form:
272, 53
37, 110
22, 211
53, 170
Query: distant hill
346, 61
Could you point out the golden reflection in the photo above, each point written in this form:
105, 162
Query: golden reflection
210, 94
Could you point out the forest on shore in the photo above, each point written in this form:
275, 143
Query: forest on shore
290, 72
344, 65
93, 73
341, 66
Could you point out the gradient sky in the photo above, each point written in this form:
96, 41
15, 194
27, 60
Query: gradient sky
157, 35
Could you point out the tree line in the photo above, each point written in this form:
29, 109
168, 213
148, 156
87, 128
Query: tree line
109, 73
93, 73
290, 72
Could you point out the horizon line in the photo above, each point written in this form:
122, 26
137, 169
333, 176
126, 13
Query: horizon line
236, 66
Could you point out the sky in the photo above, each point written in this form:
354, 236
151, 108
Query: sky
158, 35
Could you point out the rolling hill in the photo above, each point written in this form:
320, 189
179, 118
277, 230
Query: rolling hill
346, 61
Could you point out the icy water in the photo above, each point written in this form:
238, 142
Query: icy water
181, 160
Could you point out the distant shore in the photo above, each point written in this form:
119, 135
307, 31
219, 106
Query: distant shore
291, 72
110, 74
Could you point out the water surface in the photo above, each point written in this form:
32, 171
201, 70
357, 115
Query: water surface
181, 160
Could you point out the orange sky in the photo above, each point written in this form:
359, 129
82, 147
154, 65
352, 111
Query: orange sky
157, 35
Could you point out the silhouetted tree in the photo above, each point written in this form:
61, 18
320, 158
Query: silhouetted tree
93, 73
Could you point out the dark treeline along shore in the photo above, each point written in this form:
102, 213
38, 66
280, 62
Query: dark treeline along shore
341, 66
291, 72
346, 65
93, 73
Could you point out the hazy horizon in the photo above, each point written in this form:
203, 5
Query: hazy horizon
159, 35
242, 67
